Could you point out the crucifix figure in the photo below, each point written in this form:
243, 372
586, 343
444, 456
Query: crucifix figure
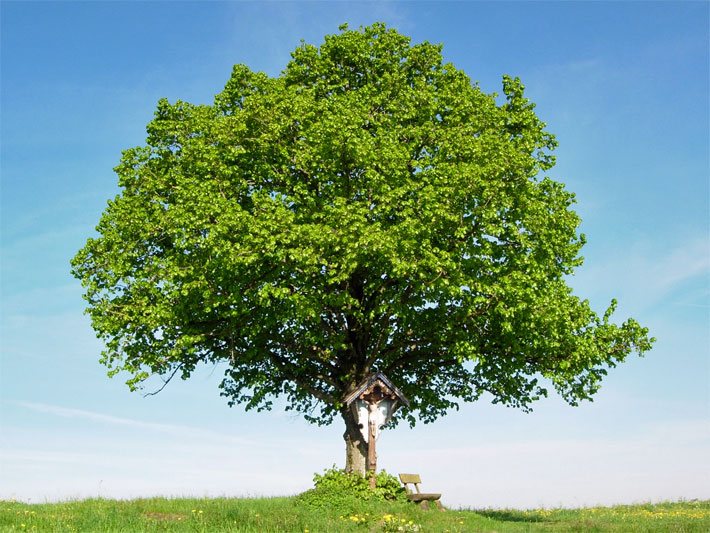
374, 402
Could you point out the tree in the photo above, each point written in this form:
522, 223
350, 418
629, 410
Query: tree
368, 209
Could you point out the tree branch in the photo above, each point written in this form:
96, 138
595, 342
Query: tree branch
165, 381
289, 371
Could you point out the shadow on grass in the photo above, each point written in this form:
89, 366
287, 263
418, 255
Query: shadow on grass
510, 516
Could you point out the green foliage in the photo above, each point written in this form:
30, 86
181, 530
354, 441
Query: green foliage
368, 209
351, 492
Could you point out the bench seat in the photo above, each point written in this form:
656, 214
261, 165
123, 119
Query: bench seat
422, 498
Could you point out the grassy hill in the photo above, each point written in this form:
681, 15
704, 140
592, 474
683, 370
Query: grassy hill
265, 515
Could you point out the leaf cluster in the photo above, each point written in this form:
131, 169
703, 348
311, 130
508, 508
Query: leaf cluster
368, 209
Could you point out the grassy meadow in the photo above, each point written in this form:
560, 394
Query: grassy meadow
287, 514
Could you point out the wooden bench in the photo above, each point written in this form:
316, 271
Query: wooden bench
422, 498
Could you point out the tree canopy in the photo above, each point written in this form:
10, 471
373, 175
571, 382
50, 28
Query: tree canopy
370, 208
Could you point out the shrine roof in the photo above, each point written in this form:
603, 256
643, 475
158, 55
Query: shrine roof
371, 380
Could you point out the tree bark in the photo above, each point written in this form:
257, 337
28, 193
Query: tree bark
355, 445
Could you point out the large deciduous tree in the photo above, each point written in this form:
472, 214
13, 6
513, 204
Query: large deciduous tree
368, 209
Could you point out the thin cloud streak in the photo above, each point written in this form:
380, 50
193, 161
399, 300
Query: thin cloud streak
178, 430
644, 275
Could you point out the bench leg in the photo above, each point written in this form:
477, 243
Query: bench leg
424, 504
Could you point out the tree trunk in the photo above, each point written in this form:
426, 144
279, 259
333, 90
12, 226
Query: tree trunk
355, 445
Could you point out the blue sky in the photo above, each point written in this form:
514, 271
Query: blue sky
624, 86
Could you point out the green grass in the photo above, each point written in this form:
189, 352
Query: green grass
265, 515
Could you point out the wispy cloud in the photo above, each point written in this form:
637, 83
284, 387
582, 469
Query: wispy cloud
645, 274
101, 418
123, 457
664, 461
683, 263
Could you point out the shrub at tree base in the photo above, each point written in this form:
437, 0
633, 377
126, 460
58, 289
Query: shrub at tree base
350, 492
